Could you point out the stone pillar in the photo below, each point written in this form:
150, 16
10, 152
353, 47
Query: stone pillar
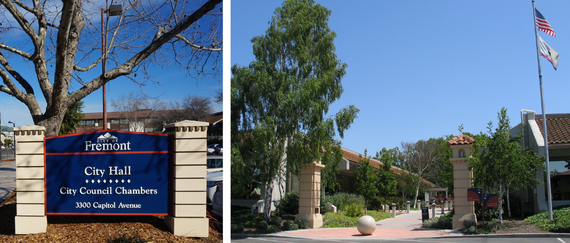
310, 195
462, 180
188, 217
30, 208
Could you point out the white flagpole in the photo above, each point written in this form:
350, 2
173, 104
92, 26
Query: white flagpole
549, 194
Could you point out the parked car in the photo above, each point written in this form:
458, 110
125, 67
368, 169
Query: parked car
213, 178
217, 203
215, 163
215, 149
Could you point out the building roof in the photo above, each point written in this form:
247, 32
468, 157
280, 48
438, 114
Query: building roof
213, 120
355, 158
558, 127
461, 140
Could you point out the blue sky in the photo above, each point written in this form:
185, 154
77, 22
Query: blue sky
174, 84
420, 69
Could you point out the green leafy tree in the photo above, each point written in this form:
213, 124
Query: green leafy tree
387, 184
366, 180
499, 163
71, 118
282, 98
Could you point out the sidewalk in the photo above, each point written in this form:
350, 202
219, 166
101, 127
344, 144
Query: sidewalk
7, 178
402, 226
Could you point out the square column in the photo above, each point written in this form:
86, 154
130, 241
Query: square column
188, 217
310, 195
462, 180
30, 209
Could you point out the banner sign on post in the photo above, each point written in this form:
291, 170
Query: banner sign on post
491, 200
474, 195
107, 173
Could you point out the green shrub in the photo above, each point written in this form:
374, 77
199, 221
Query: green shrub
470, 230
560, 220
438, 223
294, 227
237, 228
469, 223
276, 220
287, 224
303, 224
262, 225
491, 226
341, 199
289, 204
354, 209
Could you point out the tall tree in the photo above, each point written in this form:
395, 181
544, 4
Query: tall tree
500, 163
418, 158
387, 183
72, 117
442, 171
366, 180
282, 98
60, 43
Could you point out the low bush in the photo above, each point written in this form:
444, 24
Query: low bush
443, 222
303, 224
288, 224
289, 204
340, 219
276, 220
438, 223
262, 225
354, 209
341, 199
560, 220
237, 228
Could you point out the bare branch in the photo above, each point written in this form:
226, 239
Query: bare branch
27, 27
197, 47
17, 51
16, 75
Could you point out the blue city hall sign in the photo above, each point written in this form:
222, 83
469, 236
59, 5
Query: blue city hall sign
107, 173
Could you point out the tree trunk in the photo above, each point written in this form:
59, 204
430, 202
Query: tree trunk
509, 203
500, 203
417, 190
267, 201
52, 123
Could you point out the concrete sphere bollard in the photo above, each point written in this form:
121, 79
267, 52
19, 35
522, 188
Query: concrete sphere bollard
366, 225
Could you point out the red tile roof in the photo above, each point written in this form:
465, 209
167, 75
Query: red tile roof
558, 126
355, 157
460, 140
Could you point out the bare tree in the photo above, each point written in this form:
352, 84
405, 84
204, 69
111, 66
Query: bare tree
192, 107
418, 158
60, 41
137, 111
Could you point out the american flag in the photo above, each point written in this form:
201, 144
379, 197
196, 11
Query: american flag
543, 24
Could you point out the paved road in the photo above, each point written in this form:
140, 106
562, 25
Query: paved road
7, 177
456, 239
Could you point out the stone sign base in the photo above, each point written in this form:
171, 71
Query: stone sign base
30, 224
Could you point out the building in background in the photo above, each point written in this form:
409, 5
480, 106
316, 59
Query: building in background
151, 121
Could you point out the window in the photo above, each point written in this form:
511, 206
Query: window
89, 122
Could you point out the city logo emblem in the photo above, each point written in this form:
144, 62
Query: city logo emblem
107, 142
